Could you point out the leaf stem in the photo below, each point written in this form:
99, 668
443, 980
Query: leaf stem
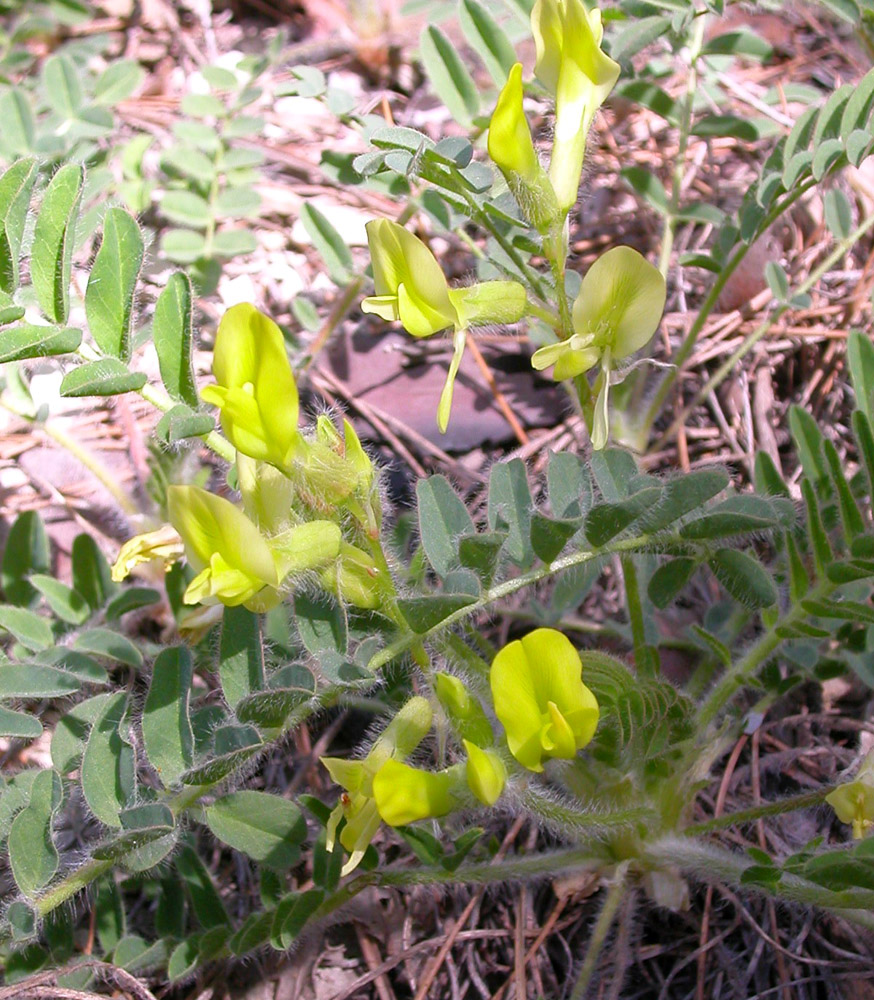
615, 895
789, 804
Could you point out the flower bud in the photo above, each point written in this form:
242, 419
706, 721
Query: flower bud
485, 773
464, 712
498, 302
511, 148
354, 578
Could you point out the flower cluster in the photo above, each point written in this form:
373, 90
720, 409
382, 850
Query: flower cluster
539, 699
296, 491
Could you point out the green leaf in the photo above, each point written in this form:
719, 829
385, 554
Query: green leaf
205, 899
187, 162
569, 485
480, 553
171, 332
107, 770
238, 203
292, 915
26, 552
642, 31
738, 43
272, 708
92, 577
22, 920
509, 508
488, 39
851, 517
838, 213
181, 422
448, 75
167, 735
69, 605
19, 725
819, 543
33, 680
22, 342
186, 208
71, 733
183, 246
443, 518
53, 241
669, 579
241, 655
18, 123
778, 280
744, 578
321, 623
106, 377
736, 516
234, 243
329, 243
683, 495
767, 477
726, 126
16, 185
424, 613
648, 186
613, 469
29, 629
120, 79
109, 297
549, 536
267, 828
651, 97
105, 642
223, 764
860, 358
32, 853
131, 599
606, 520
61, 86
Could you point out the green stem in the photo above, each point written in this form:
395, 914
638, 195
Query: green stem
735, 676
685, 127
635, 609
707, 307
615, 895
712, 864
572, 821
213, 440
750, 815
70, 884
501, 590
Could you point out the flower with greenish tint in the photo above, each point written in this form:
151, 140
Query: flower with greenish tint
162, 545
464, 712
485, 773
411, 287
511, 148
572, 67
354, 578
255, 389
541, 700
853, 802
267, 493
618, 309
405, 794
233, 561
357, 803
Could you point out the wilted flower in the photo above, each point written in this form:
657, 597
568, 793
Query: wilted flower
618, 309
541, 700
163, 545
255, 389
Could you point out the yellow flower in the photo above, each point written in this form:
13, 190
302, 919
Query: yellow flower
571, 65
405, 794
357, 804
541, 700
853, 802
232, 559
411, 287
618, 309
255, 389
485, 772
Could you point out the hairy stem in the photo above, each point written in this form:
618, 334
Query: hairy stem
789, 804
615, 895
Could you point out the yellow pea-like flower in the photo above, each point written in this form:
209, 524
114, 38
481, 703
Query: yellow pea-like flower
541, 700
